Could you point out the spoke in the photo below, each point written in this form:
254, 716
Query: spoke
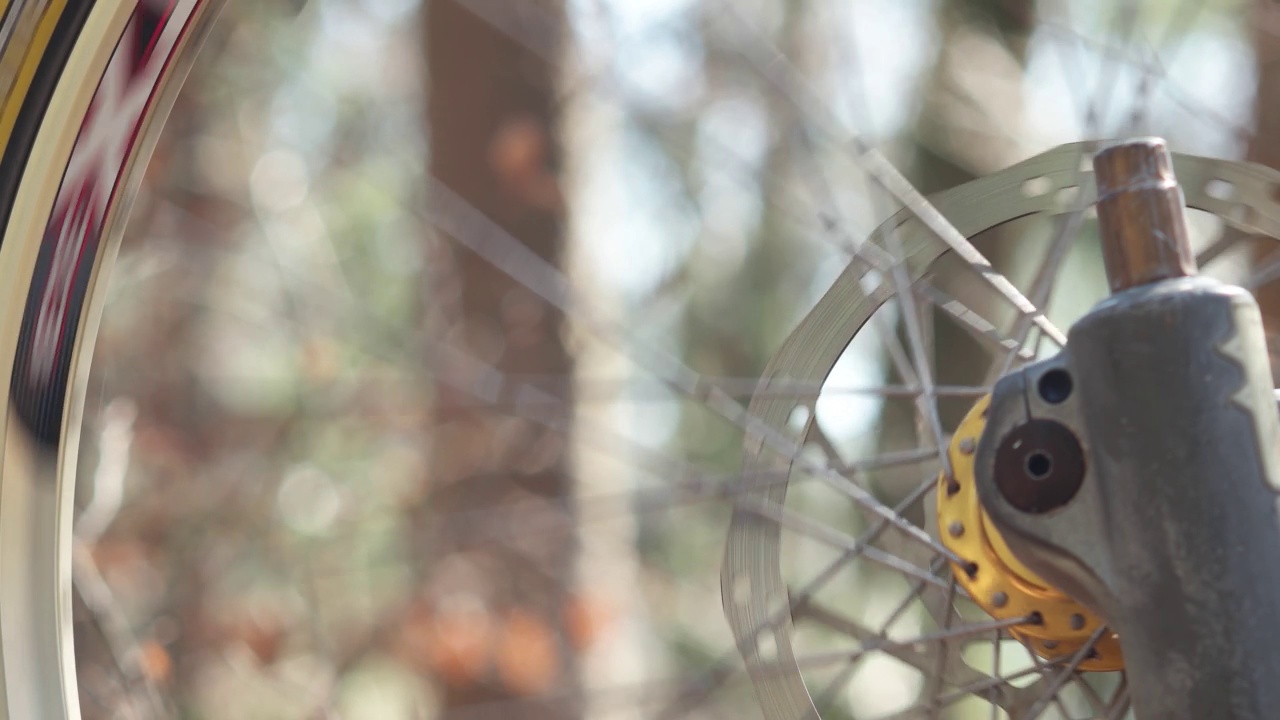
969, 319
1180, 23
820, 580
684, 483
828, 694
1226, 240
851, 470
995, 669
940, 662
1060, 679
1269, 272
926, 403
1091, 695
110, 619
916, 593
871, 257
975, 323
854, 492
1195, 109
1042, 666
897, 354
459, 220
1068, 230
986, 685
1119, 700
836, 539
818, 436
774, 67
909, 652
911, 648
621, 390
914, 370
808, 608
1069, 226
892, 458
707, 683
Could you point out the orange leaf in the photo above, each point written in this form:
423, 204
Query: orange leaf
155, 661
528, 655
454, 645
585, 618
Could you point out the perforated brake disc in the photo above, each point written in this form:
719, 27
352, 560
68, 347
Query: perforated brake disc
754, 595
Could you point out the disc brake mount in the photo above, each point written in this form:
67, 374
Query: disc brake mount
1136, 470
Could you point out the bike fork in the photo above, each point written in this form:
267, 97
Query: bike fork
1137, 469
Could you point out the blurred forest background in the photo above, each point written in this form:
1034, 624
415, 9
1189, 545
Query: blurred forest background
293, 503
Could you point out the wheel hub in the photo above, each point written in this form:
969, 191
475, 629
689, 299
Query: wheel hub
993, 576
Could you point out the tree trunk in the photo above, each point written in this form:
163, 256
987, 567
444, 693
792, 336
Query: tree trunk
497, 594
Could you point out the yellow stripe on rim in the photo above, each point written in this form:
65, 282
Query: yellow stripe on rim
26, 47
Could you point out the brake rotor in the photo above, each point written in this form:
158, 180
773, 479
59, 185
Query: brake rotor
993, 576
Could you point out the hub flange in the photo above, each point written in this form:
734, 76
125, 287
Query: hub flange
996, 580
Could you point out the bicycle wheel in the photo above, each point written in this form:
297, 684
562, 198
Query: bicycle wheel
838, 585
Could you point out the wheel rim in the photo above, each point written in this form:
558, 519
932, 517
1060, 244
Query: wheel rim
60, 230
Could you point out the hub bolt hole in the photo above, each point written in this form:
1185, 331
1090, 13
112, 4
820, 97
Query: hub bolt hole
1055, 386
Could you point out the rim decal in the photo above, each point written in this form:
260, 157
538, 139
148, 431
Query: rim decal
90, 185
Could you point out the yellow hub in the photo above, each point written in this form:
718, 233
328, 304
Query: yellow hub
996, 580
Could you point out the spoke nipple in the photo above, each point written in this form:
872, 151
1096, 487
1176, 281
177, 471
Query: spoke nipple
967, 446
956, 528
1000, 599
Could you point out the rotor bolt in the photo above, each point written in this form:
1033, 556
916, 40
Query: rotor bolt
956, 528
967, 446
1077, 622
1050, 644
1000, 599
